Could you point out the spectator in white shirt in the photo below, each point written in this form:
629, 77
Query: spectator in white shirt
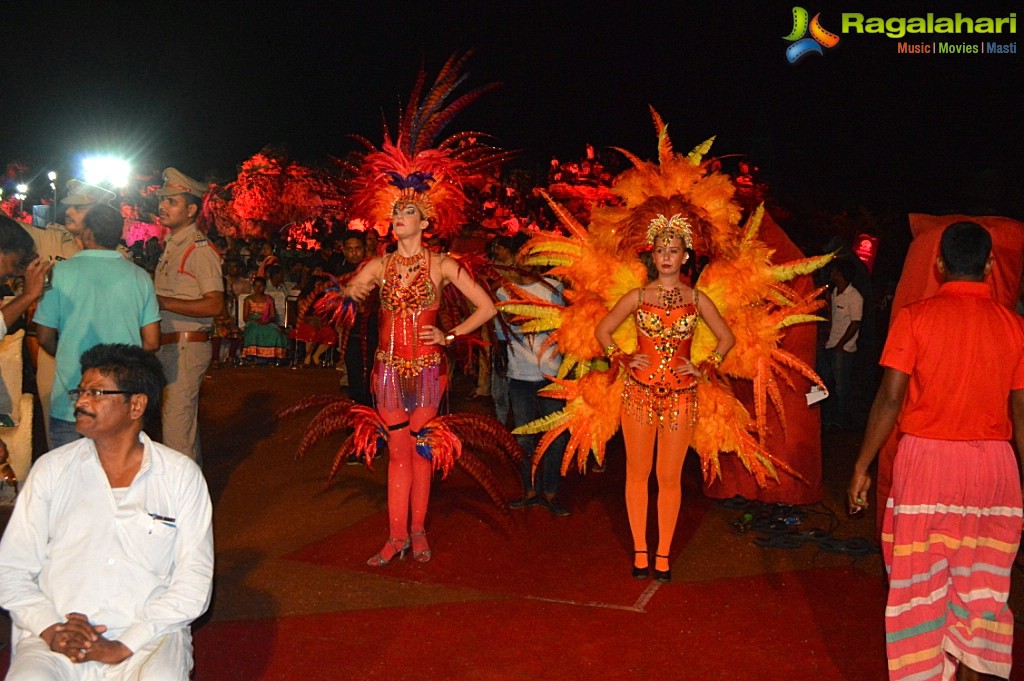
836, 363
108, 556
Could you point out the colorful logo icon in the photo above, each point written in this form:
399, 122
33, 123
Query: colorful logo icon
802, 45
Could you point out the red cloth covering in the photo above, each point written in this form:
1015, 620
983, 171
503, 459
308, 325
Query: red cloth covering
969, 352
800, 448
920, 279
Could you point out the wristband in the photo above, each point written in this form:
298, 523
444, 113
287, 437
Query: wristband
449, 339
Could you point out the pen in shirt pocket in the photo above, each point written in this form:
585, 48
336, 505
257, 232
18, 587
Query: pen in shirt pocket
169, 522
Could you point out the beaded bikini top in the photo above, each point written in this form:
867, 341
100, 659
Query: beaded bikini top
672, 324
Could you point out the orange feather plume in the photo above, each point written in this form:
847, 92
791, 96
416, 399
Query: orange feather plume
599, 265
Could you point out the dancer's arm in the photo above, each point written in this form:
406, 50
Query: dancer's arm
452, 272
713, 318
364, 280
622, 309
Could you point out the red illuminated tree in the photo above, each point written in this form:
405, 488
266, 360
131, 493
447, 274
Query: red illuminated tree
272, 192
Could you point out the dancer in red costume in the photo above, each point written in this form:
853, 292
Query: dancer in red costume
410, 372
659, 400
419, 180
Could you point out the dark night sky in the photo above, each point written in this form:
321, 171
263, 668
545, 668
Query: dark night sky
203, 86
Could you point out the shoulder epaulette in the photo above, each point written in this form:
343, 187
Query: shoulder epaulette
200, 242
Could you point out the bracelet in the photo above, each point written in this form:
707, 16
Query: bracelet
610, 350
450, 338
715, 358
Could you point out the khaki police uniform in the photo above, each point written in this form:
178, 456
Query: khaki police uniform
188, 269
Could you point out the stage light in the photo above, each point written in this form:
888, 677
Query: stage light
52, 176
106, 169
22, 188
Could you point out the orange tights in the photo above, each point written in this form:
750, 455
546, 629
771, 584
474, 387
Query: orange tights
672, 445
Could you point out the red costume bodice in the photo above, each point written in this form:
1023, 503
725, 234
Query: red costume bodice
407, 372
406, 307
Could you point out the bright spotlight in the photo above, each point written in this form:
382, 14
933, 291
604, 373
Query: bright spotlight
106, 169
22, 188
52, 176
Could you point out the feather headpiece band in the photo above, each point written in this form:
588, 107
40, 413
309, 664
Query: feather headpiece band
667, 229
415, 189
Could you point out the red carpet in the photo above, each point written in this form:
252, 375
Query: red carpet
757, 629
538, 555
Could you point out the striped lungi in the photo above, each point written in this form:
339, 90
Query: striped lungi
949, 537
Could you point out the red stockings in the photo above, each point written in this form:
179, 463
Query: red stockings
409, 474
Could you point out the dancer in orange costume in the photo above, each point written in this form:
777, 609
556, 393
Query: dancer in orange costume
659, 401
410, 372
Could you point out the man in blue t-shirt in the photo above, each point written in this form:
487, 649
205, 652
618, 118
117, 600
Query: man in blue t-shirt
97, 297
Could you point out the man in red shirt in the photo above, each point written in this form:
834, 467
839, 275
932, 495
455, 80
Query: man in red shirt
952, 522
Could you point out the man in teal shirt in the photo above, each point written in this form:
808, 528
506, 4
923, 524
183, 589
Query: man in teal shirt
97, 297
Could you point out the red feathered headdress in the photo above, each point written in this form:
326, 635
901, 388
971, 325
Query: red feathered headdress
415, 168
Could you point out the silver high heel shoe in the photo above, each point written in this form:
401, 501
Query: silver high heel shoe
399, 548
421, 556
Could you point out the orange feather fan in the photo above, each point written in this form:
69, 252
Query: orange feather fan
599, 265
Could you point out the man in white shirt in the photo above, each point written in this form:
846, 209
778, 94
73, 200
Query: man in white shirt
836, 367
108, 556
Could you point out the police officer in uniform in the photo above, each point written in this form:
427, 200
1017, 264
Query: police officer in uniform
61, 242
190, 291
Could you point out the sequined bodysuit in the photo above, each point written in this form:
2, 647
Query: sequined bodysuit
653, 393
408, 373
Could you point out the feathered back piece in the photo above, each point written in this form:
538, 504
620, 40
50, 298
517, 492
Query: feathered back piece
415, 167
685, 196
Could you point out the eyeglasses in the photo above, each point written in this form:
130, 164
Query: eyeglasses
93, 393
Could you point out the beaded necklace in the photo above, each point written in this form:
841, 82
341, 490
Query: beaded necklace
412, 290
670, 298
414, 259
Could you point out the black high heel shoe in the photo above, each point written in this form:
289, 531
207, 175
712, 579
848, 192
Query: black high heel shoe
640, 572
662, 575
